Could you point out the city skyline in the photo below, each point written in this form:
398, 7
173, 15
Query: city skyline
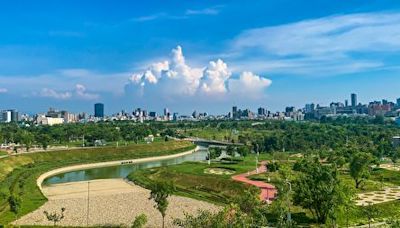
197, 55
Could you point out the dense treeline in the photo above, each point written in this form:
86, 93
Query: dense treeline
265, 136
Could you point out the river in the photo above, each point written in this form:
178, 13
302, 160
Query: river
120, 171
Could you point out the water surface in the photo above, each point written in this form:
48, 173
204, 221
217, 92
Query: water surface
120, 171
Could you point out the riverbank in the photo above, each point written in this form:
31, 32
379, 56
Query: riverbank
108, 164
111, 202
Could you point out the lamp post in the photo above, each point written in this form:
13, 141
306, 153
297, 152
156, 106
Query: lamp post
257, 158
289, 217
209, 156
88, 201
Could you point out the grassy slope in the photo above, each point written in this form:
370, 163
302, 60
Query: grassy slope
18, 174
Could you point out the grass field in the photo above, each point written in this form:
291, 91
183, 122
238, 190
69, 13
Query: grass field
190, 179
18, 174
3, 153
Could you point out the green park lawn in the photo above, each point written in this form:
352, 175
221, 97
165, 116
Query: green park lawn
18, 174
190, 179
3, 153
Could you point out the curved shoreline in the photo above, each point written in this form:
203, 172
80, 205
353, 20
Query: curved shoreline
54, 172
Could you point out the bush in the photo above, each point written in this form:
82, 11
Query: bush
273, 166
140, 221
15, 203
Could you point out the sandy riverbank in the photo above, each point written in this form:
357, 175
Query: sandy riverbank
111, 201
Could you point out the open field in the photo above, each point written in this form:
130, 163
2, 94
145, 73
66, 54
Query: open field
111, 202
18, 174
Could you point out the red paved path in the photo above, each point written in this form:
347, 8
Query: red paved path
268, 191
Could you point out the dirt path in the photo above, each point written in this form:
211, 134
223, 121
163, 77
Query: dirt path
268, 191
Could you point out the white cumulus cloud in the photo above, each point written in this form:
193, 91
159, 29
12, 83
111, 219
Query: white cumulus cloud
174, 79
3, 90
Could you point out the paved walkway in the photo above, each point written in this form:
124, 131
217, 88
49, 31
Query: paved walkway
268, 191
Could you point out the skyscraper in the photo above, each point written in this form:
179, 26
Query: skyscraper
234, 112
353, 100
99, 110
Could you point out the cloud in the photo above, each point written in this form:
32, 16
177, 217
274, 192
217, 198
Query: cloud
3, 90
79, 92
337, 44
215, 77
51, 93
249, 85
150, 17
215, 10
174, 80
206, 11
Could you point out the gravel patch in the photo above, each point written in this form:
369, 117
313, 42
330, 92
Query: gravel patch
111, 202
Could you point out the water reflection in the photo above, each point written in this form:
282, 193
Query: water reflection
121, 171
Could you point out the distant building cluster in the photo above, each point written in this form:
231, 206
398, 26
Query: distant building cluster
383, 108
375, 108
54, 116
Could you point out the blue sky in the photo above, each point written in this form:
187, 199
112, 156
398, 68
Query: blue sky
203, 55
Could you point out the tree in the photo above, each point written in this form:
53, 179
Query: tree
318, 189
230, 151
370, 212
215, 152
359, 167
43, 140
55, 217
160, 192
243, 151
27, 139
394, 155
140, 221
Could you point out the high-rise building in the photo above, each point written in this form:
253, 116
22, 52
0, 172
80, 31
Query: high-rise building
261, 111
166, 112
353, 100
9, 116
309, 108
99, 110
346, 103
398, 102
234, 112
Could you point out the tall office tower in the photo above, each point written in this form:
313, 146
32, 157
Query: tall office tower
346, 103
234, 112
261, 111
309, 108
14, 115
166, 112
384, 102
99, 110
353, 100
398, 102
